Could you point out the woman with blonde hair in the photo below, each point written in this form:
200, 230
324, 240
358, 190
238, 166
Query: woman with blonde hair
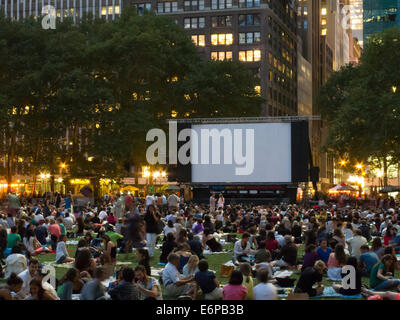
245, 269
191, 267
309, 277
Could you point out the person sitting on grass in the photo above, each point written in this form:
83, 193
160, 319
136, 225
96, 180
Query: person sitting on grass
94, 289
309, 277
235, 290
37, 292
388, 295
288, 254
264, 290
144, 259
84, 262
14, 285
310, 256
176, 285
262, 254
337, 260
191, 267
368, 260
246, 271
381, 277
323, 251
62, 255
126, 289
351, 261
66, 285
242, 248
207, 282
27, 276
149, 288
168, 246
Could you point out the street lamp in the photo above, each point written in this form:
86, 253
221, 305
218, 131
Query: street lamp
359, 166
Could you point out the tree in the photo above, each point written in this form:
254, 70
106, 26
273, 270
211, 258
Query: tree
362, 104
87, 94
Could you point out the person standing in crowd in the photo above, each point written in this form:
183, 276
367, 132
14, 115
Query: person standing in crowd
152, 219
173, 202
221, 201
213, 201
14, 206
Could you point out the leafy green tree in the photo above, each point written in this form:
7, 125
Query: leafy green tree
362, 104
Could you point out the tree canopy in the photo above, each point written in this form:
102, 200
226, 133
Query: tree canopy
86, 94
362, 104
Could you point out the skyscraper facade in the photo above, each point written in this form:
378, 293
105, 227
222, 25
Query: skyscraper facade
380, 15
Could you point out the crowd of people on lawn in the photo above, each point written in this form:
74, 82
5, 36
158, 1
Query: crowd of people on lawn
313, 242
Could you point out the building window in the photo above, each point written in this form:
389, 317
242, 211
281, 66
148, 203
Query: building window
165, 7
110, 9
249, 19
250, 55
194, 23
249, 37
141, 7
194, 5
221, 4
249, 3
221, 55
221, 21
199, 40
222, 39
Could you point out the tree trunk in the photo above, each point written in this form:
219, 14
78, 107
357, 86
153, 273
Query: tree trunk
10, 163
385, 172
96, 188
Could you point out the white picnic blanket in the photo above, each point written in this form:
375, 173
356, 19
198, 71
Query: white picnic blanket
283, 274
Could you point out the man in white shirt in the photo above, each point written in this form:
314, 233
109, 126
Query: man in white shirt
176, 285
356, 242
264, 290
39, 216
242, 248
27, 277
150, 200
103, 214
171, 216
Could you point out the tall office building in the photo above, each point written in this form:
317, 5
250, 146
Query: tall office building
380, 15
260, 33
325, 45
356, 19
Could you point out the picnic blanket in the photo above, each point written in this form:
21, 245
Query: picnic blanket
330, 293
282, 274
210, 252
72, 242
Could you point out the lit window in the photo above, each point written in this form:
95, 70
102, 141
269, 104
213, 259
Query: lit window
222, 39
214, 39
323, 21
323, 11
323, 32
250, 55
221, 55
198, 40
